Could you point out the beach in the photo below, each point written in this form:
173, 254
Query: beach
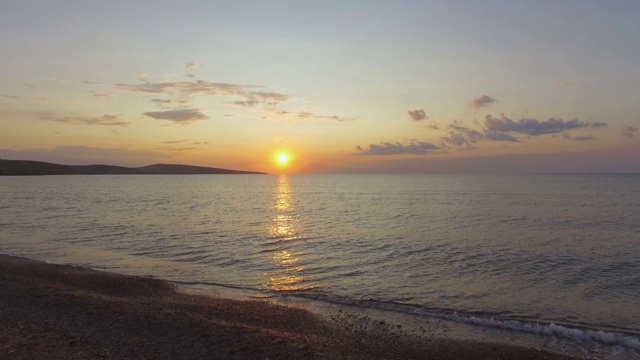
68, 312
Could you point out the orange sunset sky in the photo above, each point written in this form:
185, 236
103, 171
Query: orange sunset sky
357, 86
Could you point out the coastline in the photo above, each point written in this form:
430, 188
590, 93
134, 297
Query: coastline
67, 312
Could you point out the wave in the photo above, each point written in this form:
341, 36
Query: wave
209, 283
489, 320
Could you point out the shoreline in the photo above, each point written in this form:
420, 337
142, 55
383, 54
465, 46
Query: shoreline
67, 312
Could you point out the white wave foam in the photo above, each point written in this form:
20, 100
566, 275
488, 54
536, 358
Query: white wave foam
552, 329
609, 338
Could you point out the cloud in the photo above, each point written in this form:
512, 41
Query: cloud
104, 120
181, 116
102, 96
191, 65
183, 148
292, 116
23, 97
460, 135
629, 131
200, 87
584, 138
165, 103
457, 139
246, 103
268, 96
417, 115
571, 83
183, 90
386, 148
499, 136
162, 101
534, 127
482, 101
601, 161
83, 155
504, 129
253, 98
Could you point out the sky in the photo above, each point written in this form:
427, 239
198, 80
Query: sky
340, 86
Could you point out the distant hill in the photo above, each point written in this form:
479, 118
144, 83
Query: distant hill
27, 167
187, 169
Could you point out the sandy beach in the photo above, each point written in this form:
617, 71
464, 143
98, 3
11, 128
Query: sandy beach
65, 312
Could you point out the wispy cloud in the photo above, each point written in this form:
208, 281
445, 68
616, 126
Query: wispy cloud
167, 103
571, 83
104, 120
105, 96
254, 98
179, 149
183, 91
180, 116
269, 96
578, 138
629, 131
192, 65
414, 147
294, 116
534, 127
23, 97
186, 87
246, 103
433, 125
417, 115
482, 101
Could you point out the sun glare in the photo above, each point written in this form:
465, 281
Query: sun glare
283, 159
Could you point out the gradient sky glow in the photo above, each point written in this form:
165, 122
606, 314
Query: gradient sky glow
342, 86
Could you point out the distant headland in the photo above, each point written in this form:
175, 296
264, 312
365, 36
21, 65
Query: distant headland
28, 167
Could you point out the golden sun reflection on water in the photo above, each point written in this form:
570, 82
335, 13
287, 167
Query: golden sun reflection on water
283, 228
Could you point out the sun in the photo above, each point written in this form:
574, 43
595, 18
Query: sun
283, 159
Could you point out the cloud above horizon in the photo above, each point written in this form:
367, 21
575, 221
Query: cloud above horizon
460, 135
180, 116
629, 131
105, 96
104, 120
183, 91
534, 127
294, 116
482, 101
504, 129
587, 137
414, 147
15, 97
192, 65
417, 115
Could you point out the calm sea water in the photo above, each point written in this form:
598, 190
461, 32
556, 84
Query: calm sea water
558, 255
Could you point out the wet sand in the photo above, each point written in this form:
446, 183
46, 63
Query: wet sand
64, 312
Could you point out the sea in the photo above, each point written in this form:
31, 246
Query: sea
552, 256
